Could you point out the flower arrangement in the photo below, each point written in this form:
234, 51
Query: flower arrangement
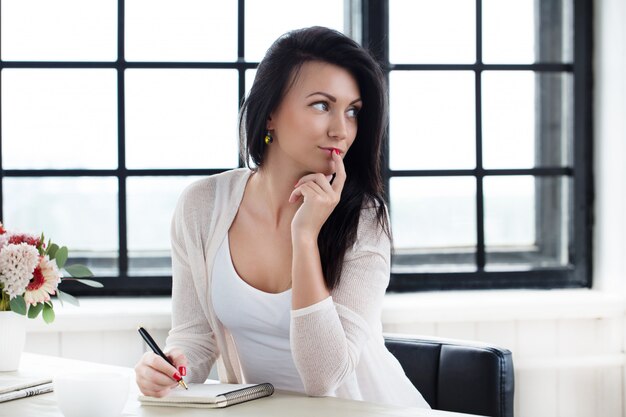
30, 272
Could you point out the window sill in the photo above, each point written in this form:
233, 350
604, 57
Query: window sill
501, 305
107, 313
126, 313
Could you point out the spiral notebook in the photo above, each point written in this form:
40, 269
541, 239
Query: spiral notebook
210, 395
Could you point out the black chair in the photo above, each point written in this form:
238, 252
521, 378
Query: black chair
456, 375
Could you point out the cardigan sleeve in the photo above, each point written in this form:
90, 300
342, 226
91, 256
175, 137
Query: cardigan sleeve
190, 331
327, 337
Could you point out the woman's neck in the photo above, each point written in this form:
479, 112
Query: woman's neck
273, 184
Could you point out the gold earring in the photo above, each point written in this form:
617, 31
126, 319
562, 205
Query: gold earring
268, 138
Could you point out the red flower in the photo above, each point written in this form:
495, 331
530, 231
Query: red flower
37, 281
24, 238
2, 229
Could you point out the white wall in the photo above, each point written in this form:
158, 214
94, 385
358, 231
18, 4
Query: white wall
610, 145
610, 154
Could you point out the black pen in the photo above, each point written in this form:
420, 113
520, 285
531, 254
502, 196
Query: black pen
156, 349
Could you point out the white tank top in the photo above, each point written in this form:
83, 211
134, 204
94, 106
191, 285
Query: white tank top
259, 322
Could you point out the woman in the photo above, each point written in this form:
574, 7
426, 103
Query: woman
279, 271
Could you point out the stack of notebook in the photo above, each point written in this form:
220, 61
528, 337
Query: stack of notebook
17, 386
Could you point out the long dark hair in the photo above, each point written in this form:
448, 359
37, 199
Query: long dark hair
275, 75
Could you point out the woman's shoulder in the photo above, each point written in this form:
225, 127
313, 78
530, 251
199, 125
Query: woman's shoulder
369, 215
371, 230
207, 196
207, 189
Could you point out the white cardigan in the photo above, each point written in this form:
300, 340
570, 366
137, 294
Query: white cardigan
337, 344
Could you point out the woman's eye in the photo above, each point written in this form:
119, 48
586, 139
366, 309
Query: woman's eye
353, 112
320, 105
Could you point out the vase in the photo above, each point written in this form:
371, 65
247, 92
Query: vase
12, 339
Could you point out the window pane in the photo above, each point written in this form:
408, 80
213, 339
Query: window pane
266, 20
432, 217
250, 74
150, 203
181, 118
509, 211
60, 30
79, 212
508, 120
527, 119
554, 119
426, 31
527, 221
185, 30
432, 120
527, 31
69, 116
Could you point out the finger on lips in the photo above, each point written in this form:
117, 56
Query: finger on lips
340, 174
328, 183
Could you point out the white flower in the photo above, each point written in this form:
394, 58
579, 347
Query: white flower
17, 263
4, 239
46, 278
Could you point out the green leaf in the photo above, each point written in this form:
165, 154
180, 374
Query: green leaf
18, 305
33, 311
52, 250
79, 271
61, 256
88, 282
63, 296
41, 243
48, 313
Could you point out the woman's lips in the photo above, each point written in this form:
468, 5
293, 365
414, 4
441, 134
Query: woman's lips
332, 150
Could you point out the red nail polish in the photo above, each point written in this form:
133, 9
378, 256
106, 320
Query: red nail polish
182, 370
177, 376
337, 151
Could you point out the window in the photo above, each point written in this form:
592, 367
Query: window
94, 97
488, 162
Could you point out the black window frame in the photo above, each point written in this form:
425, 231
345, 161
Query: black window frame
577, 273
375, 34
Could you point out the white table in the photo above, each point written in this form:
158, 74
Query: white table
278, 405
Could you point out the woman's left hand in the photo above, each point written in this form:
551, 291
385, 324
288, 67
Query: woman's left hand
320, 199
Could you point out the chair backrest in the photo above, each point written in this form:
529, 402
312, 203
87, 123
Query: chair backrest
456, 375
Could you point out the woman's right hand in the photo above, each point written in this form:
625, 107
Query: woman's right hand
155, 377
